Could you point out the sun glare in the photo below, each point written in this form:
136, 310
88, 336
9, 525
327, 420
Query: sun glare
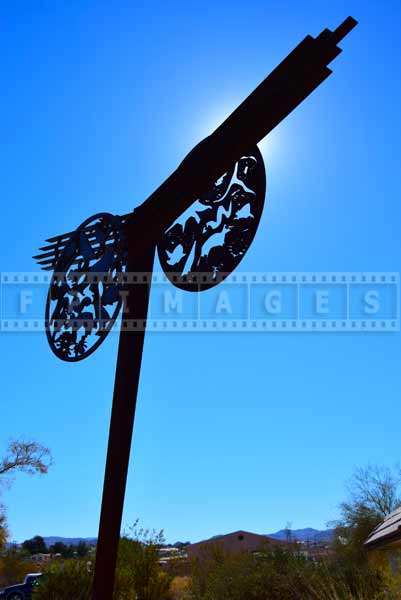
213, 119
272, 147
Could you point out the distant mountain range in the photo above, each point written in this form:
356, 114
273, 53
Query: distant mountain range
308, 534
49, 541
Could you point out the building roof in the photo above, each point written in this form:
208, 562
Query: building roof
237, 541
388, 532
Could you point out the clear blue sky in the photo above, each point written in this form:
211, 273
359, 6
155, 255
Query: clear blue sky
100, 101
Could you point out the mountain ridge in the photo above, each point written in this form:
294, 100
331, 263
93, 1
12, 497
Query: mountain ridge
307, 534
74, 541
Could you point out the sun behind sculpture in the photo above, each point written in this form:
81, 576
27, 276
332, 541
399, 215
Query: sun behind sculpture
214, 234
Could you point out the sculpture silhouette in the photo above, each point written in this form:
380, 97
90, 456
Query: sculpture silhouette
201, 220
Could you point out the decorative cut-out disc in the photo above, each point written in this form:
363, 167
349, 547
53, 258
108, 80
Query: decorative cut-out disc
213, 235
84, 296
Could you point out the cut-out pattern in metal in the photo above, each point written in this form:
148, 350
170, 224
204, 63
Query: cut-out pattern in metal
213, 235
84, 297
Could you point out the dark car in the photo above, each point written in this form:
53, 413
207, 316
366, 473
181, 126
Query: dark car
21, 591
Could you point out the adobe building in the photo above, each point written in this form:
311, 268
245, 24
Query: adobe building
234, 543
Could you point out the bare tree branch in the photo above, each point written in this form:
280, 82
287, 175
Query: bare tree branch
376, 488
27, 456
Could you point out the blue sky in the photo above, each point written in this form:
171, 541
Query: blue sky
100, 101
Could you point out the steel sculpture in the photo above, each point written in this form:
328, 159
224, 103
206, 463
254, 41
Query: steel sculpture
201, 221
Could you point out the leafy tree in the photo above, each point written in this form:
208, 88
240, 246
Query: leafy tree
59, 548
35, 545
69, 551
82, 549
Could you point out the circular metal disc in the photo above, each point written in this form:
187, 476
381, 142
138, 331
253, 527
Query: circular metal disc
209, 239
84, 296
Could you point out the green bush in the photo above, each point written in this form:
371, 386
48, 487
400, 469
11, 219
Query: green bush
3, 529
138, 574
280, 575
13, 568
64, 581
138, 571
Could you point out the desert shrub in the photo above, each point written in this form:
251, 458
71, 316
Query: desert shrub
138, 574
273, 575
13, 568
281, 575
3, 529
335, 581
66, 580
180, 588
